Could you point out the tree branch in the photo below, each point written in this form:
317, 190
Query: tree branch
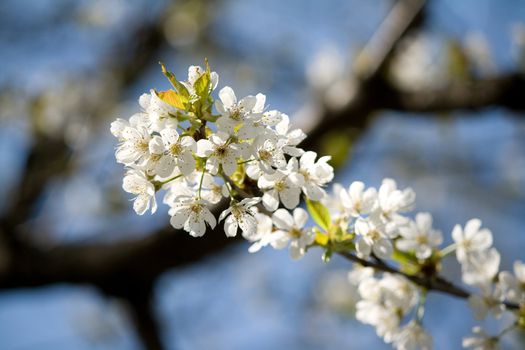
435, 283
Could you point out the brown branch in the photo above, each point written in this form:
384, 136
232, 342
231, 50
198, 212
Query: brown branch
502, 91
142, 313
431, 283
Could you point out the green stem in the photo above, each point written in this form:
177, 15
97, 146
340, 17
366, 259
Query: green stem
159, 184
421, 306
447, 250
246, 161
202, 179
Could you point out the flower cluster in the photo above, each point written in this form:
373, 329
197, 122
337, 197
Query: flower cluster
247, 157
241, 151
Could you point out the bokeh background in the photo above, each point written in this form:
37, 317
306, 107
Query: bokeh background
68, 68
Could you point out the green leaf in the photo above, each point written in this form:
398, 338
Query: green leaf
173, 99
319, 213
181, 89
202, 84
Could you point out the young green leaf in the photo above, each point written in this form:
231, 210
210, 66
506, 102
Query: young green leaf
319, 213
173, 99
181, 89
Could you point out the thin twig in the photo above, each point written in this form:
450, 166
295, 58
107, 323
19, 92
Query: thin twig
435, 283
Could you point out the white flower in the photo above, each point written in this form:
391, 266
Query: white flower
471, 239
158, 111
419, 236
514, 285
192, 214
281, 186
359, 273
490, 300
480, 340
134, 147
334, 203
135, 182
291, 137
194, 73
117, 127
173, 151
233, 112
211, 191
254, 122
221, 151
357, 201
480, 267
271, 118
268, 153
240, 214
391, 200
412, 337
385, 302
290, 229
179, 188
372, 238
316, 174
264, 234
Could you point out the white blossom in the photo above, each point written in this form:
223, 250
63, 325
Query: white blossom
316, 174
290, 229
480, 267
134, 147
283, 186
194, 73
372, 238
480, 340
234, 113
513, 286
192, 214
240, 214
291, 138
392, 200
412, 337
173, 150
419, 236
268, 153
220, 152
263, 236
136, 182
384, 303
158, 112
489, 301
357, 200
471, 239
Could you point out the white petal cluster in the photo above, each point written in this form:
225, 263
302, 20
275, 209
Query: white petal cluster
479, 261
481, 340
199, 156
385, 302
418, 236
284, 229
248, 156
411, 337
375, 216
513, 285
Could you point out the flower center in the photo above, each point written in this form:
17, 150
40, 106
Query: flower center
175, 149
264, 155
295, 233
280, 186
